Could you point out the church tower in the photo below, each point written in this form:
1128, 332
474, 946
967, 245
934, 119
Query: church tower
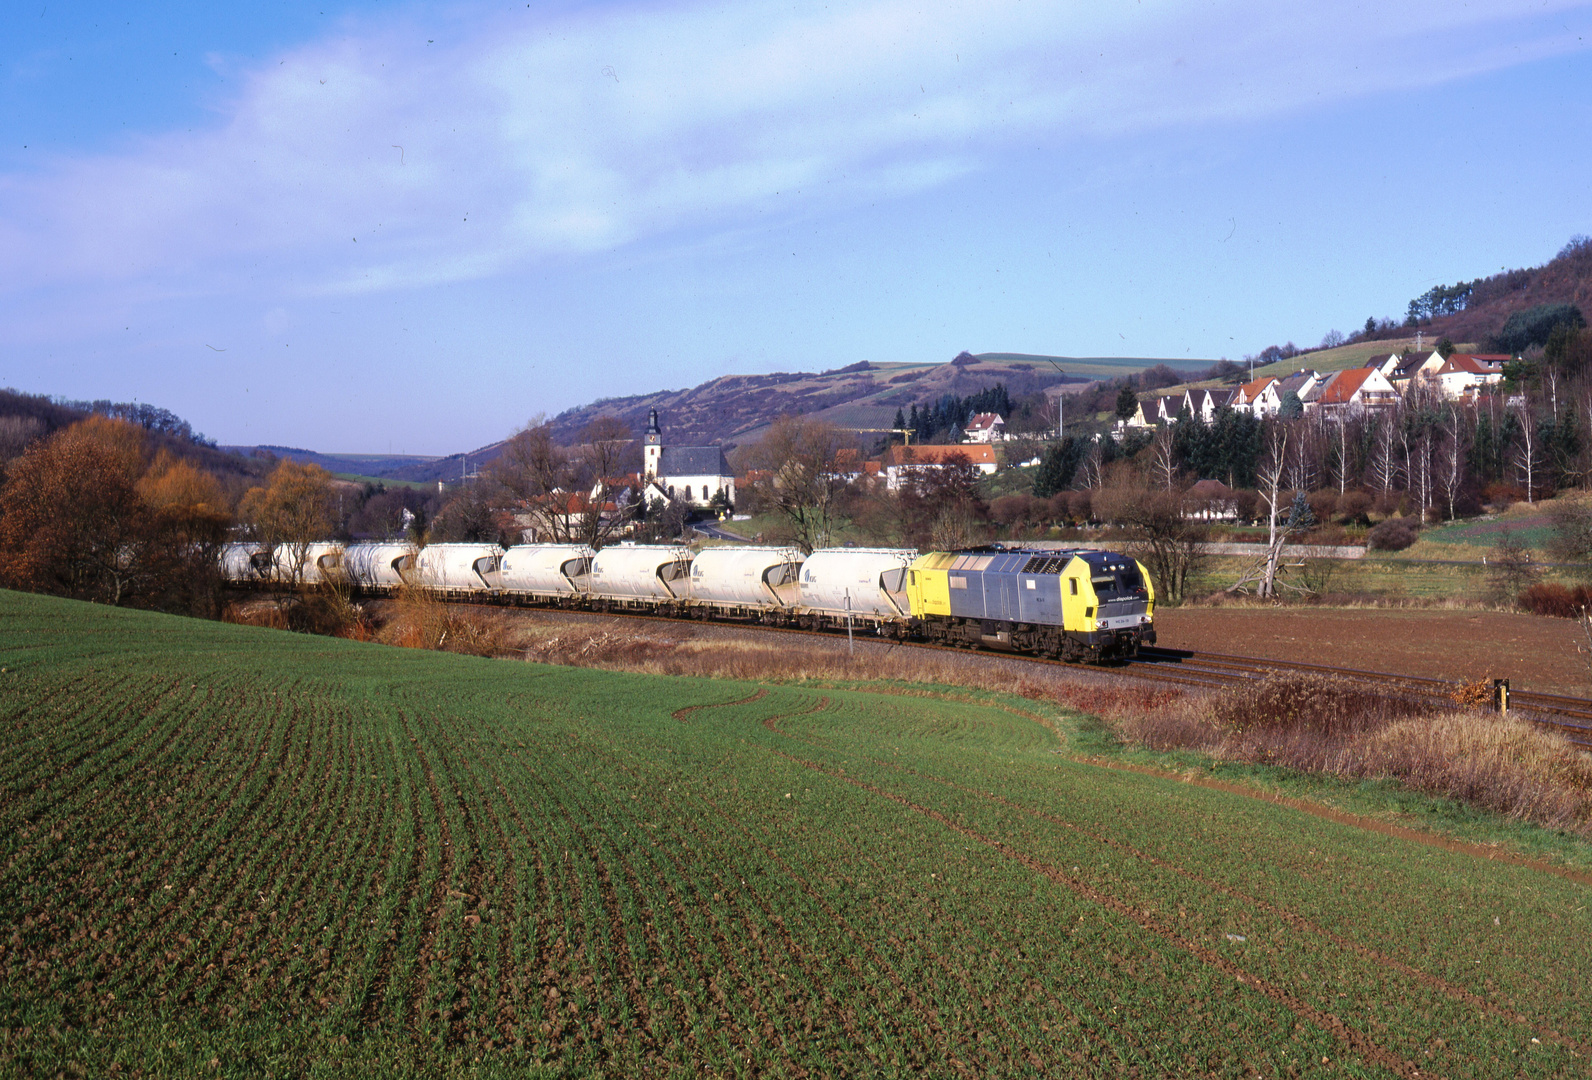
651, 447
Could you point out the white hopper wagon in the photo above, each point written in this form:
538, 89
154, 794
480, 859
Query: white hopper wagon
642, 574
378, 567
747, 580
459, 568
868, 583
542, 571
304, 564
245, 564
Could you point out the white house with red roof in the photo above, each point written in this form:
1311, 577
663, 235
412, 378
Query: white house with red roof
902, 463
1352, 392
1260, 396
1465, 374
986, 427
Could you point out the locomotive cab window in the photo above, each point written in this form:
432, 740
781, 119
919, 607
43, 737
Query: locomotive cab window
1074, 582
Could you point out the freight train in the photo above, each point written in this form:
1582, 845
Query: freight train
1074, 604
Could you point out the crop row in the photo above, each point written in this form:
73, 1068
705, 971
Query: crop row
267, 856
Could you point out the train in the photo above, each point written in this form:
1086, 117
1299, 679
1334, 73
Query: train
1079, 604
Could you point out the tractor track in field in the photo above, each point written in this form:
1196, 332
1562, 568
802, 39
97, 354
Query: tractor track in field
1362, 1044
1297, 921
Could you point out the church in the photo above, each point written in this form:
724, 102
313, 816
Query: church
692, 474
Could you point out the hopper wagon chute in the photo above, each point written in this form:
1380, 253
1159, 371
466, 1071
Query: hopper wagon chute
655, 577
379, 567
743, 582
459, 569
543, 572
866, 584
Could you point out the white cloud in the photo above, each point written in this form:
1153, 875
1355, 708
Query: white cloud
378, 160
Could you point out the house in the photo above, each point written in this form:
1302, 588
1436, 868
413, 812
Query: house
1352, 392
1300, 382
1416, 366
1258, 396
1169, 407
694, 474
1143, 417
1210, 403
1210, 500
902, 463
1465, 374
986, 427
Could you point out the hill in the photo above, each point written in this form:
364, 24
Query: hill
1484, 305
231, 851
362, 465
733, 410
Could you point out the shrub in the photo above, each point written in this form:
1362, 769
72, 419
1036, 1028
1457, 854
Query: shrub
1394, 534
1354, 508
1502, 496
1323, 504
1546, 598
1314, 704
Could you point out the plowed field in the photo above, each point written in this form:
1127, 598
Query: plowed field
1532, 651
245, 852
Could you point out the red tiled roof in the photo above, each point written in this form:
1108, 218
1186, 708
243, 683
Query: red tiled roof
1253, 390
1341, 388
976, 454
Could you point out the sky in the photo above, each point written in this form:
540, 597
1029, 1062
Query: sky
413, 228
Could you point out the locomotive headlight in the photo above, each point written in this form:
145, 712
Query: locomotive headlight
1105, 624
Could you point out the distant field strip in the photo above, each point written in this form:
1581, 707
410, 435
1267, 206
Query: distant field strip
281, 853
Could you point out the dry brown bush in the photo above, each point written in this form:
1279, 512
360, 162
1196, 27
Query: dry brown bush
1510, 767
422, 620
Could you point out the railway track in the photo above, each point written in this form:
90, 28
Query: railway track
1571, 717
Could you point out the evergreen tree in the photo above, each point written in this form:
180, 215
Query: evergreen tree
1127, 402
1060, 466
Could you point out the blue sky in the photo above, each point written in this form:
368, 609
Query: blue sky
362, 227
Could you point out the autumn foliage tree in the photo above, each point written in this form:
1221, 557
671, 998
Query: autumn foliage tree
294, 510
82, 516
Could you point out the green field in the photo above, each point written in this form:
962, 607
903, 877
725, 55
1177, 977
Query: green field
233, 852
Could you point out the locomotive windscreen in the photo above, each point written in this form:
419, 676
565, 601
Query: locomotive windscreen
1116, 578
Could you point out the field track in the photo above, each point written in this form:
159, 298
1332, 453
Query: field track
230, 851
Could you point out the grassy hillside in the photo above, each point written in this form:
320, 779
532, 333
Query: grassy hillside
231, 851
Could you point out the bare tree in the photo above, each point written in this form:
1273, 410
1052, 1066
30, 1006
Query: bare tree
1163, 465
603, 444
1527, 452
1343, 464
1384, 453
1171, 544
798, 478
1451, 463
1263, 574
1420, 468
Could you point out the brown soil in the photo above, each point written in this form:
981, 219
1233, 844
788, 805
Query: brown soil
1533, 652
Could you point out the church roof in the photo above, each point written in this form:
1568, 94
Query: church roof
693, 461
